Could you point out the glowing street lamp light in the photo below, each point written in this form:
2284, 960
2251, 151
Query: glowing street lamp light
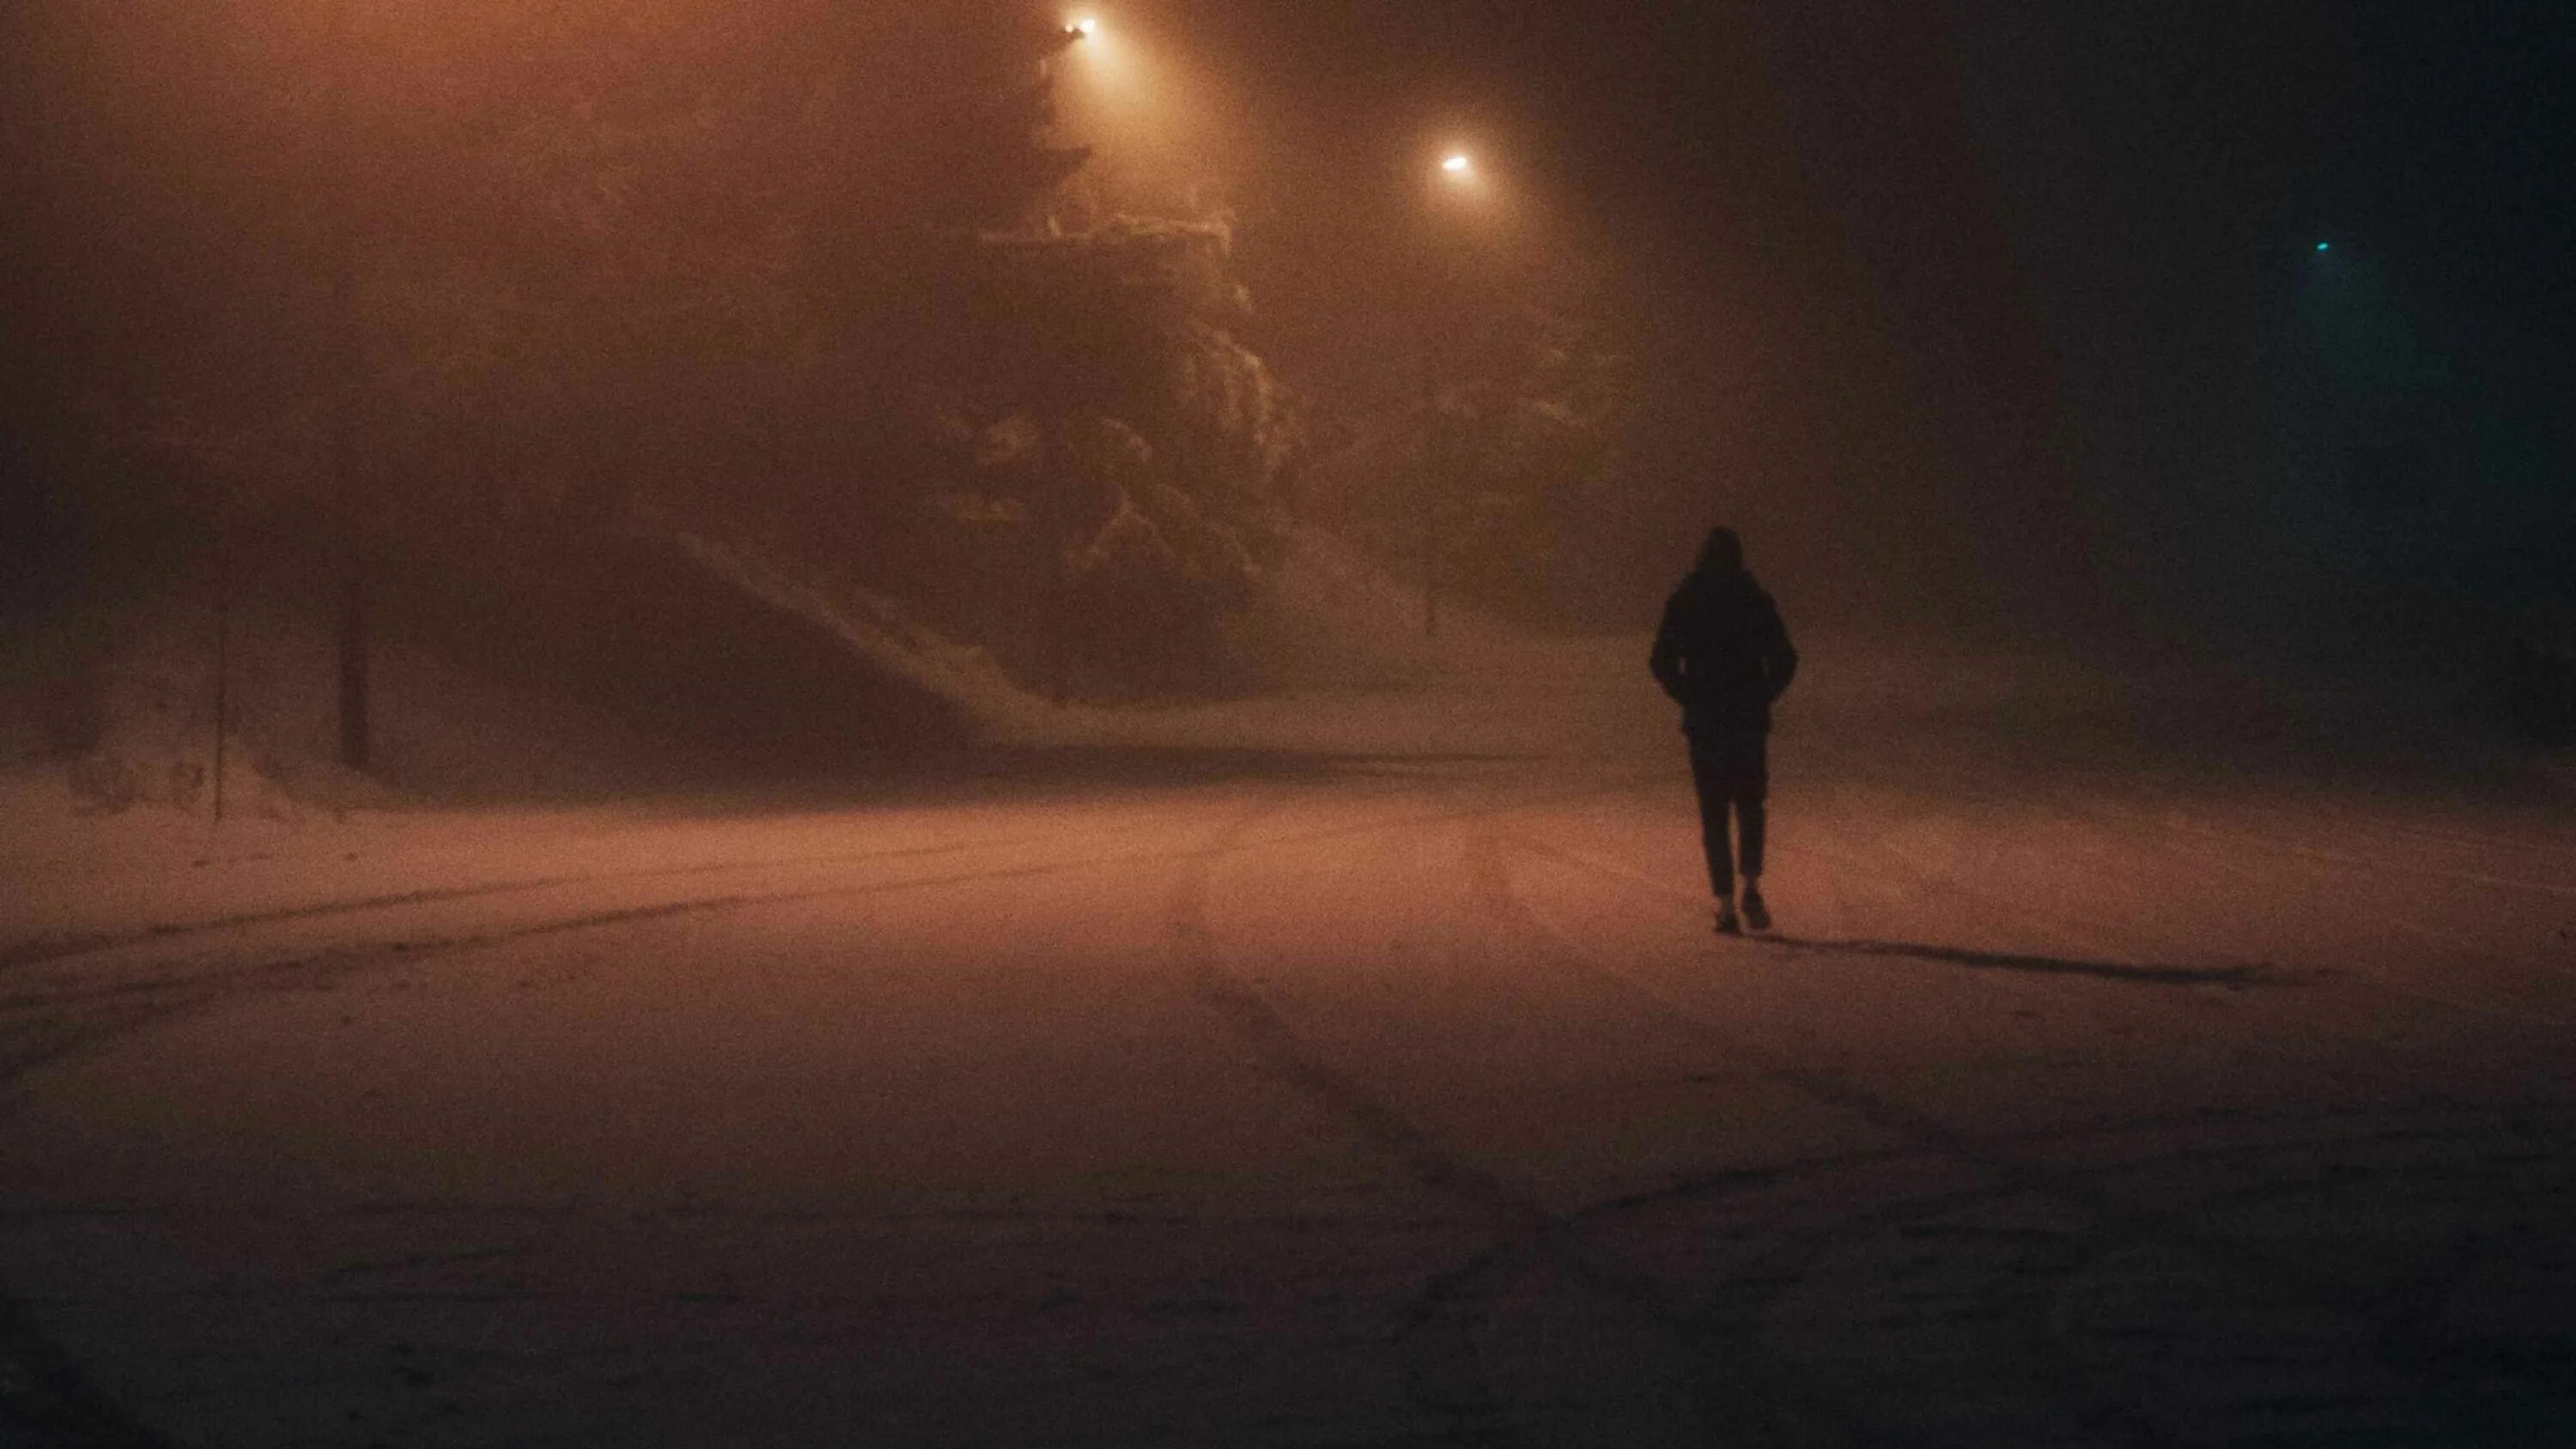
1459, 177
1115, 94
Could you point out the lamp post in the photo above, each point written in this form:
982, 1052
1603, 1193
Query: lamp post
347, 347
1456, 180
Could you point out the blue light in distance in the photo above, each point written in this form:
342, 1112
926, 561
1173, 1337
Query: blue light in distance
2325, 246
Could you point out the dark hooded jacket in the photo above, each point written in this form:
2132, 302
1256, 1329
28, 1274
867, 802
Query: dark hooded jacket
1722, 653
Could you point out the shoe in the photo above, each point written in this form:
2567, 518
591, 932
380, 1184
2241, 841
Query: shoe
1726, 922
1756, 914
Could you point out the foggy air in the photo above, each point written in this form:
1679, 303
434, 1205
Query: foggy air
823, 722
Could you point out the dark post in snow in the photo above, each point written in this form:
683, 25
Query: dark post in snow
344, 464
1431, 466
223, 659
344, 440
353, 668
1441, 441
1435, 334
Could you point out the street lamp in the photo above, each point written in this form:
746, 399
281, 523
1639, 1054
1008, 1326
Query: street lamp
1457, 174
1083, 27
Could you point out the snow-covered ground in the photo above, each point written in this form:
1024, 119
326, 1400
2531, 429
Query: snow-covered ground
2148, 1060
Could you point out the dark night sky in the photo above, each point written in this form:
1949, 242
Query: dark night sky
1958, 305
1985, 292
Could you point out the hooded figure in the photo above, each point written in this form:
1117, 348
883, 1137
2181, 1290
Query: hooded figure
1723, 656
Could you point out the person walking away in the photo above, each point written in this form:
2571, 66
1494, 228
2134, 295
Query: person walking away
1724, 657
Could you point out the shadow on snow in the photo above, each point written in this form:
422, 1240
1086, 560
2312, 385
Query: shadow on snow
2143, 975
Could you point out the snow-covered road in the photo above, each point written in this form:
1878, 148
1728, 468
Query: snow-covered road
1345, 1070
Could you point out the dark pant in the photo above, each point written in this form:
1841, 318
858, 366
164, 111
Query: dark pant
1731, 768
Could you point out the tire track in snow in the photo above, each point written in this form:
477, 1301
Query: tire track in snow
1442, 1372
431, 945
100, 1016
2116, 1225
1795, 1408
1251, 1017
39, 950
1866, 856
40, 1387
49, 1028
42, 950
1454, 1388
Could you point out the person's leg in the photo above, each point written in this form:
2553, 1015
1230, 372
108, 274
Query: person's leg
1709, 779
1752, 802
1752, 792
